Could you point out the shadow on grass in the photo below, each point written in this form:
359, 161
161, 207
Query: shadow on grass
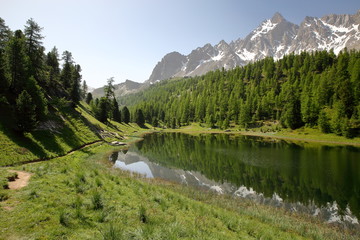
44, 144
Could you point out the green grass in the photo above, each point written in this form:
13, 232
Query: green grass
71, 129
124, 207
302, 134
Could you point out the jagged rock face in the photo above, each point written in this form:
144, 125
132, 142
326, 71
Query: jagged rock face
274, 37
170, 64
330, 32
271, 38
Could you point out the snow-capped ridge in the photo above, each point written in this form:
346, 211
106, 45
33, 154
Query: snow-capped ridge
274, 37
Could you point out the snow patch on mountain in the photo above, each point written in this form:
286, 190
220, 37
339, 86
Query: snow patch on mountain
266, 27
245, 55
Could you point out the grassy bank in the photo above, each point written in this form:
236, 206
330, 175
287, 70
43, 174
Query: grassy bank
302, 134
79, 197
65, 131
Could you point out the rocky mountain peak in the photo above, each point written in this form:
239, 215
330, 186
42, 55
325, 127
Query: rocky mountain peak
277, 18
170, 63
274, 37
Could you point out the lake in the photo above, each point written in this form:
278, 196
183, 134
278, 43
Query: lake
316, 179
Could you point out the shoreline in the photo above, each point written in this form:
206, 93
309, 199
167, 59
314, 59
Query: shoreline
288, 136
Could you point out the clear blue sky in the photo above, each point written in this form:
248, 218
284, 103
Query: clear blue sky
126, 38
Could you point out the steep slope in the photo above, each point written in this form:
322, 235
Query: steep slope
170, 64
274, 37
329, 32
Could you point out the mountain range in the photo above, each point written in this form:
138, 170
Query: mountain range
274, 37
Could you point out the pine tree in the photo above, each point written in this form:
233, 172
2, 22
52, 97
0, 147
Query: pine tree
116, 114
17, 61
355, 80
125, 114
245, 114
75, 91
173, 123
337, 118
292, 114
101, 112
323, 122
34, 47
139, 117
210, 121
25, 112
84, 90
52, 62
225, 124
89, 98
4, 38
66, 73
38, 98
109, 88
344, 87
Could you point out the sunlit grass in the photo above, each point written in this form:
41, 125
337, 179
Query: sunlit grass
52, 207
301, 134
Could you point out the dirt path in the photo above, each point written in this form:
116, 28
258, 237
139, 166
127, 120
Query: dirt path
21, 181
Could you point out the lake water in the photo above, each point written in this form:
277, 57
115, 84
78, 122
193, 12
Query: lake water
316, 179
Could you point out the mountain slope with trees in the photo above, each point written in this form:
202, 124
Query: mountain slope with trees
318, 89
41, 113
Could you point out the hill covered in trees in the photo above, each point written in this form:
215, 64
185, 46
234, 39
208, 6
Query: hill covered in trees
41, 113
32, 83
318, 89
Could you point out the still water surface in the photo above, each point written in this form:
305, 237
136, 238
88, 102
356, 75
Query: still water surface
315, 179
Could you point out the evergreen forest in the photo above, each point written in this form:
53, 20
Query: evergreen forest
34, 85
318, 89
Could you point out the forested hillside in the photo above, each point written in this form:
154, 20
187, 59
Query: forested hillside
32, 84
41, 115
318, 89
